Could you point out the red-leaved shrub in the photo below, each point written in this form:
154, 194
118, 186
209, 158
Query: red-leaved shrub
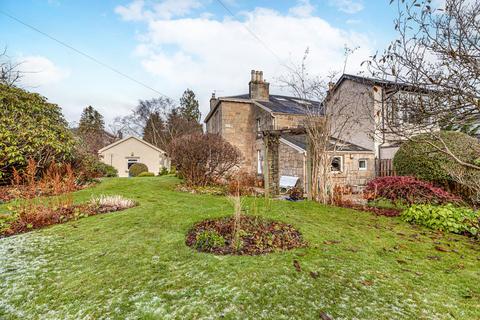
407, 189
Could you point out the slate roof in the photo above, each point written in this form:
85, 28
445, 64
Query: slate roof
285, 104
300, 140
280, 104
379, 82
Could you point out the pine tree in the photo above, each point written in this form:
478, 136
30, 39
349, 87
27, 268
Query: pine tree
189, 106
91, 129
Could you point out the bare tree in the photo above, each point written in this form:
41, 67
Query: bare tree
326, 126
9, 70
435, 65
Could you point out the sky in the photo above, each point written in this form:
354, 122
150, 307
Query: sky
172, 45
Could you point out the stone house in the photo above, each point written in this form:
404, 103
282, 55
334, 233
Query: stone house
372, 104
130, 150
243, 120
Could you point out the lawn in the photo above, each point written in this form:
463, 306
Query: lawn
134, 264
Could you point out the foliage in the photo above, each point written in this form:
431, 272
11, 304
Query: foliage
445, 218
146, 174
208, 240
295, 193
91, 130
423, 157
203, 159
189, 106
408, 190
88, 167
30, 128
137, 168
57, 179
154, 130
163, 172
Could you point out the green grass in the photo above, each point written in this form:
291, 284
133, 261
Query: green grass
134, 264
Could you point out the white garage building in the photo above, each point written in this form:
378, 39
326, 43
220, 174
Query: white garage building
125, 152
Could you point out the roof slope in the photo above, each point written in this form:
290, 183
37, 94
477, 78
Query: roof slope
300, 140
128, 138
278, 104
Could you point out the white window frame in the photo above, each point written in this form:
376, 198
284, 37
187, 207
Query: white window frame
366, 164
341, 164
258, 124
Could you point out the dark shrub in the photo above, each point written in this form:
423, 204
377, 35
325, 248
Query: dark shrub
136, 169
202, 159
107, 170
407, 190
241, 183
295, 193
422, 158
146, 174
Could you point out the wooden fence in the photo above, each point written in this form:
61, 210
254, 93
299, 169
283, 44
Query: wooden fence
384, 168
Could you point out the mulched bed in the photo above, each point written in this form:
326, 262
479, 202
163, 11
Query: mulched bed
388, 212
9, 193
257, 236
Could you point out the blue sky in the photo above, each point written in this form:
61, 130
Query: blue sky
174, 44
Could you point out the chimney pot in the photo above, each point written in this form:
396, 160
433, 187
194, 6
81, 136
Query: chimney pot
258, 88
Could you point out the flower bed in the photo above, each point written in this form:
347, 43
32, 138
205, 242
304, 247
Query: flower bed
36, 213
254, 236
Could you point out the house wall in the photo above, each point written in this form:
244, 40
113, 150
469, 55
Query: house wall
117, 156
353, 106
351, 175
283, 121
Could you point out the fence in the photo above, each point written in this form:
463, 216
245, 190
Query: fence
384, 168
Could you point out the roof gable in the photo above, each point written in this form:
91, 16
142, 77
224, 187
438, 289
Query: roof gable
129, 138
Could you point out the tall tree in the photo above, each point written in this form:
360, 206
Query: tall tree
91, 129
189, 106
154, 130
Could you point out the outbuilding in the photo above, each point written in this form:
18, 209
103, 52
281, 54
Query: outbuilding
125, 152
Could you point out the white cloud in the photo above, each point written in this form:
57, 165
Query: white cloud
132, 12
206, 54
303, 9
347, 6
39, 71
165, 9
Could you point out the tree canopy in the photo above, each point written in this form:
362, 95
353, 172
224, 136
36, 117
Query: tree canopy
189, 106
91, 129
30, 127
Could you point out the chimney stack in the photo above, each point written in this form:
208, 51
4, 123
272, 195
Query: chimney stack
213, 101
258, 88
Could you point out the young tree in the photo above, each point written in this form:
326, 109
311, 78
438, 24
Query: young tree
91, 129
189, 106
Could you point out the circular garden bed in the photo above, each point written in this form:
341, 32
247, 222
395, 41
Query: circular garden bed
246, 235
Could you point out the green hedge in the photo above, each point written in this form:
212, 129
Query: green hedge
136, 169
420, 157
146, 174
